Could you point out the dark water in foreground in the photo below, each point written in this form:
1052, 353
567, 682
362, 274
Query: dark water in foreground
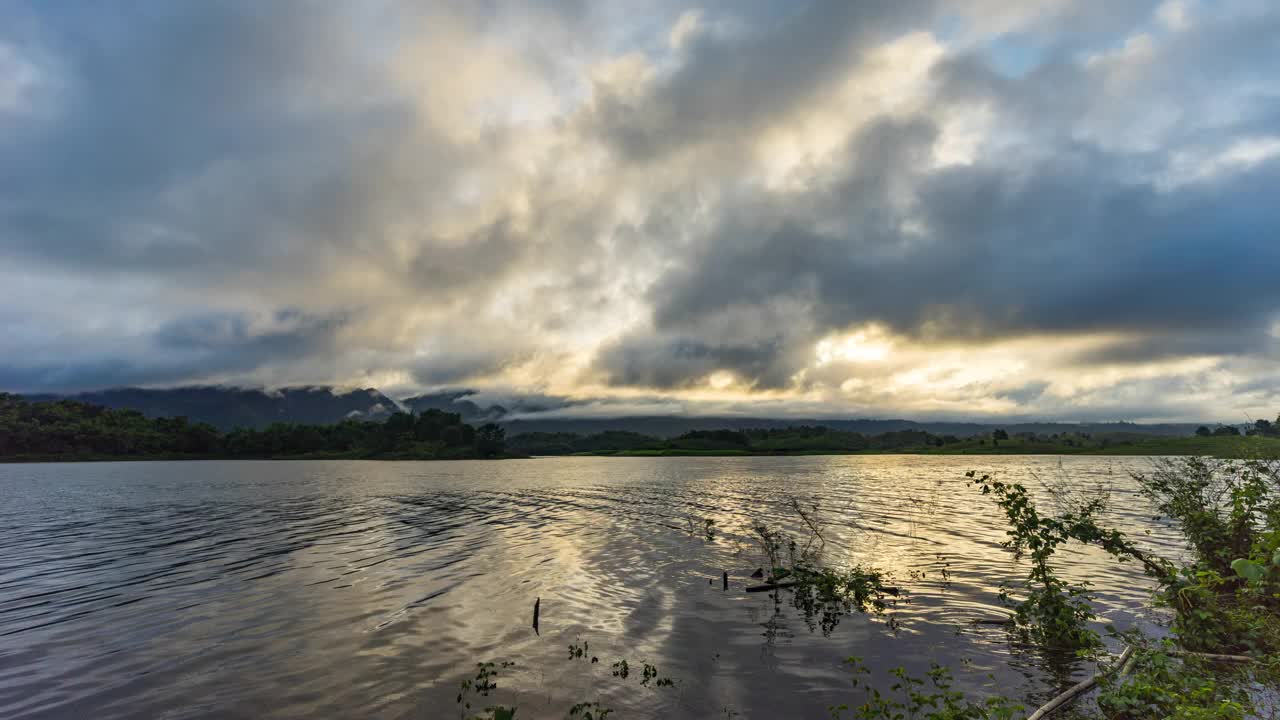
369, 589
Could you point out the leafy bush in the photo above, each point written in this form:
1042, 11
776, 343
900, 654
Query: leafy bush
1054, 613
824, 595
1229, 512
933, 698
1161, 685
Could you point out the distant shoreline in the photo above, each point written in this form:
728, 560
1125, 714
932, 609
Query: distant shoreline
1221, 447
37, 459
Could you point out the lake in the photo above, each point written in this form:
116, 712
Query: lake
371, 589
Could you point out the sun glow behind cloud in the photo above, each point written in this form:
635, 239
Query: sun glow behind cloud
924, 209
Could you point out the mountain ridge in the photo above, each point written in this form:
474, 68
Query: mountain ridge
226, 407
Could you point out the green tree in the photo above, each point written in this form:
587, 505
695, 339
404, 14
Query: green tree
490, 440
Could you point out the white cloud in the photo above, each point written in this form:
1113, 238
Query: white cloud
686, 28
1174, 15
839, 206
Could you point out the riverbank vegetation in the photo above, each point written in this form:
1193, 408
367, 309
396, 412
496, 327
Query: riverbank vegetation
70, 430
1221, 656
815, 440
73, 430
1218, 657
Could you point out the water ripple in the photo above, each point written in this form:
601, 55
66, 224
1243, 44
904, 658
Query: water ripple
245, 589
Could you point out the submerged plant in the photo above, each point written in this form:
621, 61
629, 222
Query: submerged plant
703, 527
1160, 684
824, 595
1229, 512
914, 698
1054, 613
589, 711
484, 682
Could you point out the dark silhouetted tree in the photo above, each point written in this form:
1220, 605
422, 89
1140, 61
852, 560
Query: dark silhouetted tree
490, 440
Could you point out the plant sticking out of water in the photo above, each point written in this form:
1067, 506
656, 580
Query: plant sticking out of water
913, 698
1228, 598
781, 549
823, 594
1054, 614
649, 673
1160, 682
589, 711
942, 571
1226, 631
703, 527
826, 595
484, 683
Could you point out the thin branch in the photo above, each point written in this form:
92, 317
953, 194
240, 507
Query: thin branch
1080, 688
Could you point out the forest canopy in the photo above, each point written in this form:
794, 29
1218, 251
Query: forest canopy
67, 429
74, 430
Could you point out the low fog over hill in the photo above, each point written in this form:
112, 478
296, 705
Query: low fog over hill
227, 407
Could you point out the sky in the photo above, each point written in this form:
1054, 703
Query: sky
888, 208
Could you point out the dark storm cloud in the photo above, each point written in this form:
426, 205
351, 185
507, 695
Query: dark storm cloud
201, 346
1068, 236
1026, 394
728, 86
454, 365
155, 94
669, 362
444, 268
1066, 247
470, 192
1139, 350
239, 154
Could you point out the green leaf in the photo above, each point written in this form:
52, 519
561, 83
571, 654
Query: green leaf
1248, 569
501, 713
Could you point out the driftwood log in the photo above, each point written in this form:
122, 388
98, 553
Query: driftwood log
772, 586
1078, 689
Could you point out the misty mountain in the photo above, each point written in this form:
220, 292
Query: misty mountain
455, 401
521, 415
461, 401
230, 407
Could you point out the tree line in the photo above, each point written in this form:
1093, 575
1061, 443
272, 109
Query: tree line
818, 439
67, 429
802, 438
1263, 428
70, 429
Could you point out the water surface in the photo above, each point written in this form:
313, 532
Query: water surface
370, 589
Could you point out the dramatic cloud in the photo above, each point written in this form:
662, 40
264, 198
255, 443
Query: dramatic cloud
926, 208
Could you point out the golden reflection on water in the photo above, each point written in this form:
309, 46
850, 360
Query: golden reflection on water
363, 588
